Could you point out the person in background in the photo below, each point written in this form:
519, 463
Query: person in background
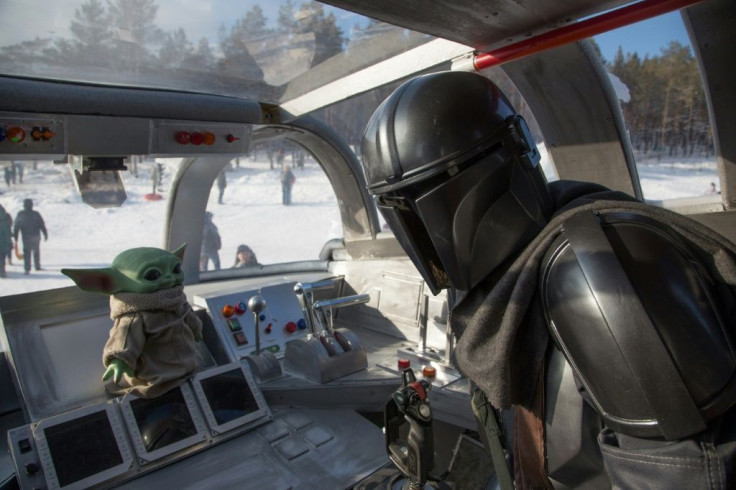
10, 231
280, 154
221, 184
245, 257
6, 239
211, 243
8, 175
19, 170
287, 181
30, 225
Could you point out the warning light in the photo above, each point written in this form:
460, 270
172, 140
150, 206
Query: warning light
231, 138
290, 328
208, 138
228, 311
182, 137
41, 134
16, 134
404, 364
196, 138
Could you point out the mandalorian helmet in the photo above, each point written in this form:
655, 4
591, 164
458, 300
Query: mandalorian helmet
456, 175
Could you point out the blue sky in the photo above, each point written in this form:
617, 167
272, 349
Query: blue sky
646, 37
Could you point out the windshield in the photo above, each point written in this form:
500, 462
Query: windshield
268, 51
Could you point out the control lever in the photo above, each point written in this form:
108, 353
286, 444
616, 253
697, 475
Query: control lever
264, 365
323, 312
305, 294
327, 353
415, 456
257, 304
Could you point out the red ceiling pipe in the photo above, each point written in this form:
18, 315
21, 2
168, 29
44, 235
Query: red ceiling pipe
624, 16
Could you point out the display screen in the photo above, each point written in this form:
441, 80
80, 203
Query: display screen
164, 420
229, 396
82, 447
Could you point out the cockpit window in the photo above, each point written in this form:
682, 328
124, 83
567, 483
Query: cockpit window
79, 236
274, 205
665, 110
265, 50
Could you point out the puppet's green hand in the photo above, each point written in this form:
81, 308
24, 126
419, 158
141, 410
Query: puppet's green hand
116, 368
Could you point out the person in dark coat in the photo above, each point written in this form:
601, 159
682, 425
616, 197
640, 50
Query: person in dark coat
221, 184
287, 181
9, 175
30, 225
211, 243
245, 257
6, 239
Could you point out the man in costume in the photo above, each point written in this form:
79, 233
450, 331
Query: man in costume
638, 385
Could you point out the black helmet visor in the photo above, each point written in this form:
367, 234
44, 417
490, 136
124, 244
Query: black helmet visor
437, 227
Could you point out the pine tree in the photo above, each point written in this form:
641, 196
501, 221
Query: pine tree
134, 31
91, 37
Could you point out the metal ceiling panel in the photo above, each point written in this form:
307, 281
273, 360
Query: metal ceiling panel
481, 24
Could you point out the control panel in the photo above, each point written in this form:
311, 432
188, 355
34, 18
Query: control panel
280, 322
106, 443
177, 138
31, 135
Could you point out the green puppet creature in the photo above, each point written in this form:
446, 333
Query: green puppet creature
152, 344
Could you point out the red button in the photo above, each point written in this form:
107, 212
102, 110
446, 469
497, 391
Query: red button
196, 138
16, 134
240, 308
404, 364
182, 137
290, 327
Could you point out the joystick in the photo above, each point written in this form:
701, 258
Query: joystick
264, 365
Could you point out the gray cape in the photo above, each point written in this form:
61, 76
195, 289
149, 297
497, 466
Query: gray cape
500, 323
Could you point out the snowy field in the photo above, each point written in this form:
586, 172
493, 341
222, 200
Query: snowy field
252, 213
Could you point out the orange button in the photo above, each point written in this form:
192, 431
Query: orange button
429, 371
228, 311
208, 138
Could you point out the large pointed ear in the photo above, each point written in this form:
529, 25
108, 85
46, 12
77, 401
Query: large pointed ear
179, 252
105, 280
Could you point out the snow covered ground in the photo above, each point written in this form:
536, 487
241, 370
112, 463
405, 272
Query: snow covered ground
252, 213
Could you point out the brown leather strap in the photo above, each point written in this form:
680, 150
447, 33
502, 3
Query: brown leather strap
530, 470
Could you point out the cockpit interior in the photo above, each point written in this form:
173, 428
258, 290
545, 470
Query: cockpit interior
233, 128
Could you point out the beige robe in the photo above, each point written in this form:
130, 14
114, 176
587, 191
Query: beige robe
155, 335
